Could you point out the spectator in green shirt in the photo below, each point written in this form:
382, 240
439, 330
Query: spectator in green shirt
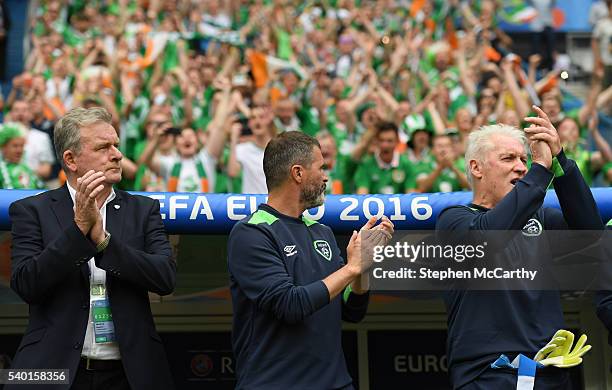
387, 171
339, 168
588, 162
13, 173
285, 118
443, 174
607, 172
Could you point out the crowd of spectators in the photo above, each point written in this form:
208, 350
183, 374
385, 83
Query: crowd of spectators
390, 88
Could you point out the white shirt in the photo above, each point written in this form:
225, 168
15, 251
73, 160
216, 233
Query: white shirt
603, 33
37, 149
250, 156
393, 164
189, 180
343, 66
60, 90
294, 125
544, 18
219, 20
598, 11
104, 351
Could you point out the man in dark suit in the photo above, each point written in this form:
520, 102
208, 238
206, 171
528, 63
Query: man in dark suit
84, 258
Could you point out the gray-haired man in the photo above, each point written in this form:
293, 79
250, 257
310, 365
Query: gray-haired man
84, 257
509, 197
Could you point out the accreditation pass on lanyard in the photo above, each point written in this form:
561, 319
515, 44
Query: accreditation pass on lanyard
104, 329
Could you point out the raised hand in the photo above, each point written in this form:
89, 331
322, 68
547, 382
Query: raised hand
535, 60
222, 83
385, 227
361, 245
97, 233
542, 129
540, 153
86, 210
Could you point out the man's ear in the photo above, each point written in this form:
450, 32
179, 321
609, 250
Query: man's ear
297, 173
476, 169
69, 158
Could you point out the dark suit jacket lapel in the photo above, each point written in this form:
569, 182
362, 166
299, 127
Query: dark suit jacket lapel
115, 210
62, 206
64, 212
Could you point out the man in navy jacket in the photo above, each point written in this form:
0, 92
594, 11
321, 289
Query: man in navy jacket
290, 286
482, 325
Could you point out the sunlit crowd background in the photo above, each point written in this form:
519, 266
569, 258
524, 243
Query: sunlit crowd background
390, 88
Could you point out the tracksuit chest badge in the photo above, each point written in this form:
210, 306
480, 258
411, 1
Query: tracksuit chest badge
533, 228
323, 248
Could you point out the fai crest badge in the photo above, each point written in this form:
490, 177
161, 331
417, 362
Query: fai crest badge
533, 228
398, 176
323, 248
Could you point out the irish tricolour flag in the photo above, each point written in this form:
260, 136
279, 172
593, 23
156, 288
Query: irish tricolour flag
518, 12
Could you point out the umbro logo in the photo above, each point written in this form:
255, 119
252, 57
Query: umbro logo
290, 250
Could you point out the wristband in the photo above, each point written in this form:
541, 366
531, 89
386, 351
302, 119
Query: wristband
556, 168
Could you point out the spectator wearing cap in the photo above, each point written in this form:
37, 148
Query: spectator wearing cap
13, 173
38, 152
419, 138
347, 51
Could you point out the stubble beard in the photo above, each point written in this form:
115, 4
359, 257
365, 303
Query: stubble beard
313, 196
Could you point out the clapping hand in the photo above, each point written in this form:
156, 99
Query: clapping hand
361, 245
543, 138
86, 209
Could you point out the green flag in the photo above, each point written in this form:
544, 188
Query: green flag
284, 50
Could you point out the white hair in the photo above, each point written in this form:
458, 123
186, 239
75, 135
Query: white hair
479, 143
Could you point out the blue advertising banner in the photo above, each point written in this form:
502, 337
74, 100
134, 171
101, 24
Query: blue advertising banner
568, 15
196, 213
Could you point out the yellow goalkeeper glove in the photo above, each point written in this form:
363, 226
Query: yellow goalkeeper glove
561, 354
